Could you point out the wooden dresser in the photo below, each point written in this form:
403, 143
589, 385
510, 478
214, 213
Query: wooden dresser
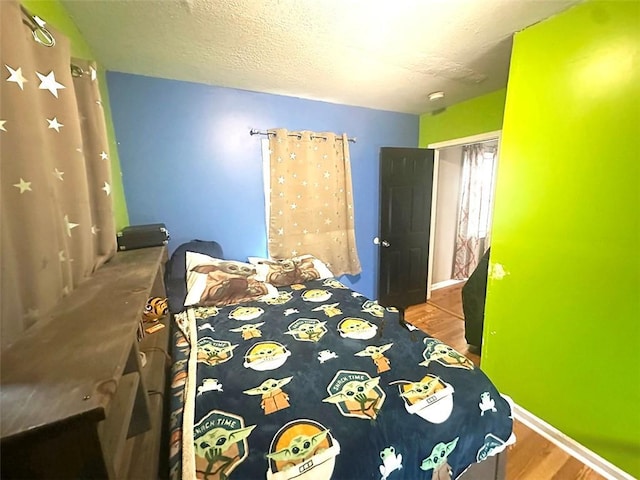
75, 400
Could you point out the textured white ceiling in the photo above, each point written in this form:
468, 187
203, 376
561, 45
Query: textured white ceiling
380, 54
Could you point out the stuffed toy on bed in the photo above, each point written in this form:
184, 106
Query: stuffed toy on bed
155, 309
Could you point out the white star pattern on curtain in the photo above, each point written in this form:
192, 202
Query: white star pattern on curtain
16, 76
23, 186
310, 208
54, 124
48, 82
56, 198
69, 225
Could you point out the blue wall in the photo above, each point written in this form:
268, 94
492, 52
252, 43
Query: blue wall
188, 160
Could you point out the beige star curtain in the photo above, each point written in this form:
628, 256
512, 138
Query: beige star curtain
57, 223
311, 201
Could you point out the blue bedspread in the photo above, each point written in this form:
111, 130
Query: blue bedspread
323, 383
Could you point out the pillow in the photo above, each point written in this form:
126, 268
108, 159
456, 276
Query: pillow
175, 276
289, 271
216, 282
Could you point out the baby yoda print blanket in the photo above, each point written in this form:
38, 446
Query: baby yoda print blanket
319, 383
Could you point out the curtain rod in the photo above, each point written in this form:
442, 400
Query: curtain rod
481, 142
253, 131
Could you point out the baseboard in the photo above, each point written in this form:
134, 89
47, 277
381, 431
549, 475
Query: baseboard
445, 283
573, 448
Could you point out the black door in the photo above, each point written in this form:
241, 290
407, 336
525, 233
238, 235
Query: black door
406, 183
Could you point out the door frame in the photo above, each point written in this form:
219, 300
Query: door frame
481, 137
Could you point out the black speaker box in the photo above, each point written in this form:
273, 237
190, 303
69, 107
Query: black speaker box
142, 236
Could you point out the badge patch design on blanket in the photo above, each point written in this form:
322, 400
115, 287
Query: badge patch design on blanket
307, 330
445, 355
356, 394
266, 356
430, 398
492, 445
220, 441
302, 449
214, 352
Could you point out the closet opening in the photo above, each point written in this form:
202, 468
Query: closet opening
462, 206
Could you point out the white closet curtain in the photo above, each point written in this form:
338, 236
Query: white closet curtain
474, 215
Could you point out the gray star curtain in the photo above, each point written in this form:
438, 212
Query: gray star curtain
57, 224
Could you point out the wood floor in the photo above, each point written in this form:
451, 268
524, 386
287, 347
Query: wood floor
532, 457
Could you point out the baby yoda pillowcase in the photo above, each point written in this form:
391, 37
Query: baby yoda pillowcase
216, 282
289, 271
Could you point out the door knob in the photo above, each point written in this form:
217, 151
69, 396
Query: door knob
384, 243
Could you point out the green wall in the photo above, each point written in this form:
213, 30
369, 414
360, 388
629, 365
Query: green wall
562, 329
54, 13
478, 115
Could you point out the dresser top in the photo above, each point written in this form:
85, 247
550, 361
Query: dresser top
68, 365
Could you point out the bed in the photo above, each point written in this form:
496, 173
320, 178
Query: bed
311, 380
